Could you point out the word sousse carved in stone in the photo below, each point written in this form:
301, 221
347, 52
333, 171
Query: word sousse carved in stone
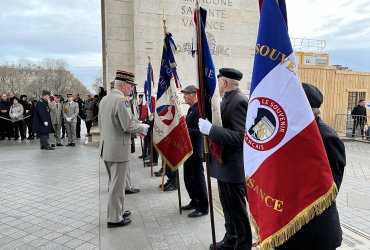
267, 199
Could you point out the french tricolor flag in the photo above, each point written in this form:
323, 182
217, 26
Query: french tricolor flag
288, 177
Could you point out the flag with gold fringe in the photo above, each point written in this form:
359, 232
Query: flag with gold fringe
288, 176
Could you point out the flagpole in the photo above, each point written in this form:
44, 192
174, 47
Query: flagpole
203, 115
178, 190
151, 153
163, 172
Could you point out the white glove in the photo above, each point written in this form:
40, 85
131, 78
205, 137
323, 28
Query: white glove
204, 126
46, 124
145, 128
68, 119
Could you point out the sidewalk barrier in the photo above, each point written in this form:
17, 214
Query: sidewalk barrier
352, 126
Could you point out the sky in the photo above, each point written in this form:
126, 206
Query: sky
71, 30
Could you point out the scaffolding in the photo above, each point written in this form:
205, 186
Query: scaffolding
307, 45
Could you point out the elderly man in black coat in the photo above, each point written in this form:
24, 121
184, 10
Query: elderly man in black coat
42, 121
323, 232
230, 173
194, 179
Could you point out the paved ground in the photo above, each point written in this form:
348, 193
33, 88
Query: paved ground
57, 200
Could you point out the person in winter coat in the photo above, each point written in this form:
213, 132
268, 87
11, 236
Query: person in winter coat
42, 121
323, 232
359, 118
16, 114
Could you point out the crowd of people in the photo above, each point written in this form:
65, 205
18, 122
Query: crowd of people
118, 124
23, 119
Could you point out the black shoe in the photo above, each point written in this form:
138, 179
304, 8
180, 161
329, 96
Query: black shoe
59, 144
132, 191
170, 187
188, 207
221, 245
147, 164
69, 144
73, 144
196, 213
78, 136
126, 214
142, 156
168, 182
15, 139
31, 138
49, 148
52, 145
22, 139
122, 223
147, 158
2, 138
159, 173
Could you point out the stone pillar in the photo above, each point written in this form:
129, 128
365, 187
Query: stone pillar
135, 31
118, 30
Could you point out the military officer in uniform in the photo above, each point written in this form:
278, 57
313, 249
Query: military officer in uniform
70, 112
56, 119
230, 173
116, 123
42, 121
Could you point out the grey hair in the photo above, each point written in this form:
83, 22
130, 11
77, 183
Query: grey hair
117, 83
232, 81
316, 111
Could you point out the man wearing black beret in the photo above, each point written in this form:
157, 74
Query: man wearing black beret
314, 235
230, 173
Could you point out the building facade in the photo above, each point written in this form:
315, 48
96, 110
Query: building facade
133, 31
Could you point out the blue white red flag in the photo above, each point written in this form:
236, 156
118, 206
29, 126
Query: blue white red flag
288, 176
170, 133
148, 98
207, 88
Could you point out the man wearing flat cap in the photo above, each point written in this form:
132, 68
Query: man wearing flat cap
70, 113
116, 123
230, 173
323, 231
42, 121
194, 179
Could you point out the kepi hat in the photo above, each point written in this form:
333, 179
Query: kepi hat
125, 76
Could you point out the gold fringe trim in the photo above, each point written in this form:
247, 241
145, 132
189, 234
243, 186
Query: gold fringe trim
301, 219
173, 168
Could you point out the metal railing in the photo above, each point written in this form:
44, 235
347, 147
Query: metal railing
355, 126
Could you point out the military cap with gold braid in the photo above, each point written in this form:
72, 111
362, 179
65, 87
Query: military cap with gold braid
125, 76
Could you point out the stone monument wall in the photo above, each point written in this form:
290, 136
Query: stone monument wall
133, 30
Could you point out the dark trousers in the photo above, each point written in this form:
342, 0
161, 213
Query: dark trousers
29, 126
238, 229
172, 176
63, 129
44, 141
88, 126
18, 129
6, 129
356, 124
195, 183
78, 128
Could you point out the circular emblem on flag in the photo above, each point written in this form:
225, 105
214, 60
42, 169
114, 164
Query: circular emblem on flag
266, 124
166, 113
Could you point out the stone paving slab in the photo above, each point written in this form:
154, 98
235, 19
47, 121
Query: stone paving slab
57, 200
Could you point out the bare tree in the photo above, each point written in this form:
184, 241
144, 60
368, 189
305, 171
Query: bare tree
30, 78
